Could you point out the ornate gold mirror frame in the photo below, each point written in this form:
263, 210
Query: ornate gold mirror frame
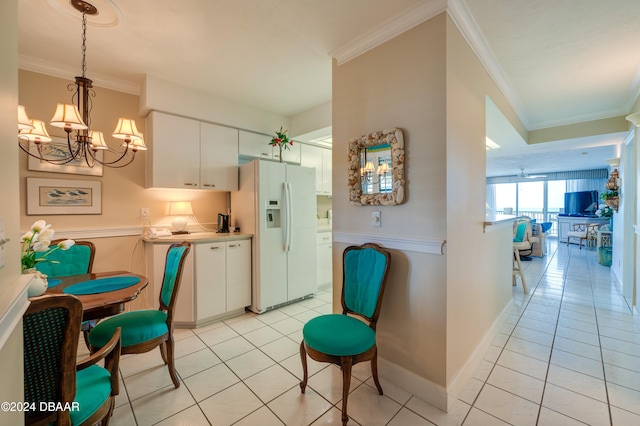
357, 163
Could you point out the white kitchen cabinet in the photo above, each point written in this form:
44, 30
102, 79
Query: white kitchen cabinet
218, 157
216, 280
173, 156
324, 259
238, 268
320, 159
210, 265
327, 170
255, 145
187, 153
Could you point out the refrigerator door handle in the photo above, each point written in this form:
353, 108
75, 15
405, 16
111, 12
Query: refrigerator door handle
287, 203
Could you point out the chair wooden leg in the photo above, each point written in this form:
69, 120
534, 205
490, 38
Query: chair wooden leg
374, 371
163, 352
346, 362
170, 364
305, 376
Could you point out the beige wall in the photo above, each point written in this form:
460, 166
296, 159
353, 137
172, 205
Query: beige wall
437, 308
11, 385
123, 189
401, 84
478, 264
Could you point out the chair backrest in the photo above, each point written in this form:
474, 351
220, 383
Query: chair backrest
174, 264
365, 270
76, 260
51, 328
522, 230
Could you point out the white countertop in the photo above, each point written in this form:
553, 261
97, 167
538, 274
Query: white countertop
200, 237
323, 225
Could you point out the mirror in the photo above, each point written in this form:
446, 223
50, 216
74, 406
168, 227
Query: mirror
376, 169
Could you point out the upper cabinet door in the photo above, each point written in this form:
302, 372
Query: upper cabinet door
312, 157
218, 157
173, 158
254, 145
291, 155
327, 170
320, 159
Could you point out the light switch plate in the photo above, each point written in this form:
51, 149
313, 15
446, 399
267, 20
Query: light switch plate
375, 219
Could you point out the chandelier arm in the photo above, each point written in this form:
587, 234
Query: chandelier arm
113, 164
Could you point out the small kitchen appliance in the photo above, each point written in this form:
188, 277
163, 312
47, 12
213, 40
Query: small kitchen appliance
223, 223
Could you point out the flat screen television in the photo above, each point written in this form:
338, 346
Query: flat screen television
582, 203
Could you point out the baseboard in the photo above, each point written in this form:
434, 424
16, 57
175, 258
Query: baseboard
424, 389
433, 393
466, 372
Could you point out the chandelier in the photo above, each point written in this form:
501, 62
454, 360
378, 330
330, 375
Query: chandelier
367, 172
86, 145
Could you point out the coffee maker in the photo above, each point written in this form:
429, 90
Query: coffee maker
223, 223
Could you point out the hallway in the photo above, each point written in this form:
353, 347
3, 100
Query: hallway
568, 354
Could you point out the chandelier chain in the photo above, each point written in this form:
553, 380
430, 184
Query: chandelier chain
84, 43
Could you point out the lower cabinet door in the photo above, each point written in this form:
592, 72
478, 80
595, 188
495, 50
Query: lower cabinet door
210, 297
238, 274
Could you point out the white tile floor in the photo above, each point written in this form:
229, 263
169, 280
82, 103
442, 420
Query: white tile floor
569, 354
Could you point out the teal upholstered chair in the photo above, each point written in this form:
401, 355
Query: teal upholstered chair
143, 330
76, 260
343, 339
51, 326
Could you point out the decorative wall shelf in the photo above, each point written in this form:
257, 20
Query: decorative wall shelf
612, 202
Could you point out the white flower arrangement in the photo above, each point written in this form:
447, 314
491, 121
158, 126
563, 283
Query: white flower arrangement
36, 245
604, 211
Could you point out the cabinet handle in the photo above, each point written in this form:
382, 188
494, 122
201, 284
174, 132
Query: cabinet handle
234, 245
209, 184
214, 247
264, 154
325, 238
190, 184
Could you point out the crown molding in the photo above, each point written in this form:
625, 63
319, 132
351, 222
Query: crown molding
389, 29
30, 63
462, 18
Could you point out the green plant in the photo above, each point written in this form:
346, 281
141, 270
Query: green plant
608, 193
281, 140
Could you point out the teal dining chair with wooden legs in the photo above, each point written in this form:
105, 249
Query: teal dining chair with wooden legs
58, 389
147, 329
343, 339
76, 260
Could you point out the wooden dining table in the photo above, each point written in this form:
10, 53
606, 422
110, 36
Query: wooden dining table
105, 303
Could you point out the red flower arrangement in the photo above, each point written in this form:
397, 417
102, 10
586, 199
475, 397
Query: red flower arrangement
281, 140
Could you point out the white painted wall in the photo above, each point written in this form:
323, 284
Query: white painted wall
162, 95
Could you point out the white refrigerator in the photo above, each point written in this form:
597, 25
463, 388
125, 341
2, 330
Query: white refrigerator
276, 202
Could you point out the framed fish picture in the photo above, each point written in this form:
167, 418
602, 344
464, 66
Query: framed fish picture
61, 196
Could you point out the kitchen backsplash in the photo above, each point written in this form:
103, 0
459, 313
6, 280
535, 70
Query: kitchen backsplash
324, 205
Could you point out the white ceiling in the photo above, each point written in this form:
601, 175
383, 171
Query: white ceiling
557, 62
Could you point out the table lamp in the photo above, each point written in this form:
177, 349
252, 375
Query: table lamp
180, 209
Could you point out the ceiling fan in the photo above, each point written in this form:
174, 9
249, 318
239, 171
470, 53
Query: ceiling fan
528, 176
